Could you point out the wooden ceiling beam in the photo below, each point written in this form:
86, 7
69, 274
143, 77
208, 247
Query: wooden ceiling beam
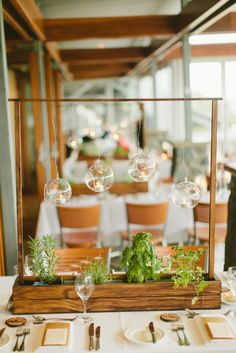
97, 75
196, 15
15, 25
64, 29
104, 56
204, 51
31, 14
225, 25
97, 68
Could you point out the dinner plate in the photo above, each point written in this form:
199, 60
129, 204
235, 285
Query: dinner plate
228, 298
4, 340
141, 335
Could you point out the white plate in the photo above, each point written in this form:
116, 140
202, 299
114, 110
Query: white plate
4, 340
140, 334
226, 300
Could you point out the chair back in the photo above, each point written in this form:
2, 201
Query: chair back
79, 217
163, 251
71, 260
147, 214
202, 212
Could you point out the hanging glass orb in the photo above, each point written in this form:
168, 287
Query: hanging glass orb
57, 191
141, 167
74, 142
99, 177
186, 194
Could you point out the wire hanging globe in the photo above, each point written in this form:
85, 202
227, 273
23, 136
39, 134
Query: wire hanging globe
57, 191
186, 194
99, 177
141, 167
74, 142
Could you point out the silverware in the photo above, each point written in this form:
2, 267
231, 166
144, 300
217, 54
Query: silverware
176, 329
98, 333
186, 341
26, 331
191, 313
152, 330
1, 331
19, 332
91, 336
39, 319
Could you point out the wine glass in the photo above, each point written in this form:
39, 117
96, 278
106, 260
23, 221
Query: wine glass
231, 279
84, 286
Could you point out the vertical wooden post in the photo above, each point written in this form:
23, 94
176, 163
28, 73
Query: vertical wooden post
60, 137
17, 115
214, 111
50, 110
37, 113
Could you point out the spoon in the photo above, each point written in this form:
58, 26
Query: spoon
40, 319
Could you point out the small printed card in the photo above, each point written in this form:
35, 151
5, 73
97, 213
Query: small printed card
56, 334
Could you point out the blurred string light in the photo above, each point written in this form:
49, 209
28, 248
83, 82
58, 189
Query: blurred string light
57, 191
185, 194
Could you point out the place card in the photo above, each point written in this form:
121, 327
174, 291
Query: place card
56, 334
218, 328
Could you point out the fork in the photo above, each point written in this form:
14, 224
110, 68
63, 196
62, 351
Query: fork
26, 331
176, 329
19, 332
186, 341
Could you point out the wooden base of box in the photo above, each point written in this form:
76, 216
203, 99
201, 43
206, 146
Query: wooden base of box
62, 298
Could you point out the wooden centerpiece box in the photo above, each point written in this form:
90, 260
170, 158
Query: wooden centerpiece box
116, 295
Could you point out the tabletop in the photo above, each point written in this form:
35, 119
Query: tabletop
113, 328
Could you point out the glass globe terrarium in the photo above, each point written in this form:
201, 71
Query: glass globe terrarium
99, 177
141, 167
57, 191
186, 194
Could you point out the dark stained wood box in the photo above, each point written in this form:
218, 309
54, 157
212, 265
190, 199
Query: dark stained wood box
113, 296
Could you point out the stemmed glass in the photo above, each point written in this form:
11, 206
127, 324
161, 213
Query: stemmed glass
84, 286
231, 279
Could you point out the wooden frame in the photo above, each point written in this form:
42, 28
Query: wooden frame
33, 295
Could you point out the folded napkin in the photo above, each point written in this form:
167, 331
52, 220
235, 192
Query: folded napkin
215, 327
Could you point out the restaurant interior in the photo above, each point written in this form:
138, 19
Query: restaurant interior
117, 119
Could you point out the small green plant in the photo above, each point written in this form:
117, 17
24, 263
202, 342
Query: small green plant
187, 271
43, 258
99, 271
140, 259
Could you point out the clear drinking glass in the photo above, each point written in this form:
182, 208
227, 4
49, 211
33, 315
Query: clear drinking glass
84, 286
231, 279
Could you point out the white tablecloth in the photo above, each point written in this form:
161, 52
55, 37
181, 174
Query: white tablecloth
113, 326
114, 218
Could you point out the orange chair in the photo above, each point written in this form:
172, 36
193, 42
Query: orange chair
163, 251
82, 225
148, 215
201, 215
72, 260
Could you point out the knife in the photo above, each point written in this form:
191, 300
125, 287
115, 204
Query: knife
152, 330
98, 332
1, 331
91, 337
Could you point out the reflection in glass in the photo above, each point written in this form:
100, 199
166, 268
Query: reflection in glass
99, 177
141, 167
57, 191
186, 194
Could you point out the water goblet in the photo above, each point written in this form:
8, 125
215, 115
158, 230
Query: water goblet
84, 286
231, 279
